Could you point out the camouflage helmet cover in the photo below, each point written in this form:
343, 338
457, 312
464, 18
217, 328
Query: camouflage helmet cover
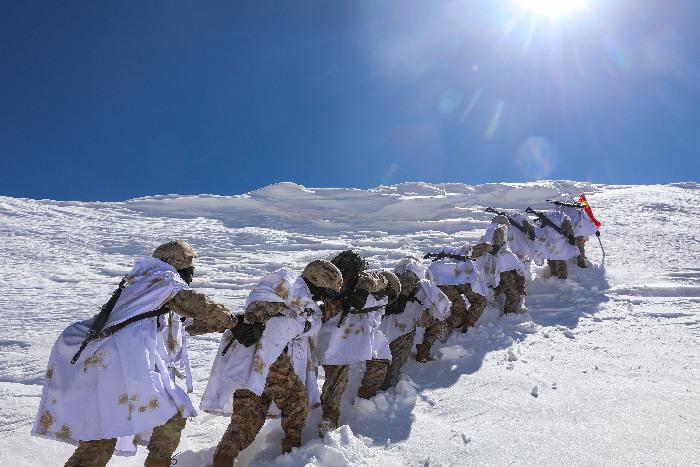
394, 284
178, 253
323, 274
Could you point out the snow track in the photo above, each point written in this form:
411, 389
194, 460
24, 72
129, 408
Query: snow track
602, 370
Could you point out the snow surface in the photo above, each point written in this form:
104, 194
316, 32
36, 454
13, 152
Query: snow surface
602, 370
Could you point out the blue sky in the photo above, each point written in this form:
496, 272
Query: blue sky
112, 100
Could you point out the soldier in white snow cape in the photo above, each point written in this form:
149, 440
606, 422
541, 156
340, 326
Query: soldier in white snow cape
501, 269
456, 273
350, 331
556, 247
117, 380
421, 304
279, 368
521, 243
582, 224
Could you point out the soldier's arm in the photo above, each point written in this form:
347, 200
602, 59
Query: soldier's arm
199, 327
330, 309
200, 307
261, 312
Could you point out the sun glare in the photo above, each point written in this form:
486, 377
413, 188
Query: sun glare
552, 8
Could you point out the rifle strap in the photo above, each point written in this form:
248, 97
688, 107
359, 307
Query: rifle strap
117, 327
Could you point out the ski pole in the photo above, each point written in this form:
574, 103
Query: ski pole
597, 234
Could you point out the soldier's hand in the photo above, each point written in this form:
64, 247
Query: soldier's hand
247, 334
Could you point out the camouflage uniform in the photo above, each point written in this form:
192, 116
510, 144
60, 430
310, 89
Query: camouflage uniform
208, 317
558, 267
460, 316
287, 391
336, 379
333, 388
510, 287
92, 453
400, 351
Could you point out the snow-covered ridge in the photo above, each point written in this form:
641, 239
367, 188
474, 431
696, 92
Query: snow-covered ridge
602, 369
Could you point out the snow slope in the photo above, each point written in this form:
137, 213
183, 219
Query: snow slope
603, 369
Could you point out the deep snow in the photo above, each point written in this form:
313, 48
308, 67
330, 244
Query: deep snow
602, 369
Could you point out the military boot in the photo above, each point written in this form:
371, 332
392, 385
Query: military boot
422, 353
581, 261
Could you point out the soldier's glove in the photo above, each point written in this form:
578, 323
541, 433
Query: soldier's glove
247, 334
572, 240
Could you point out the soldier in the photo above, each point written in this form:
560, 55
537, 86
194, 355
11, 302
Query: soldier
501, 269
350, 332
456, 274
122, 378
583, 226
280, 368
421, 303
556, 247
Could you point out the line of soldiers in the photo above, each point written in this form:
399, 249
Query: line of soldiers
116, 380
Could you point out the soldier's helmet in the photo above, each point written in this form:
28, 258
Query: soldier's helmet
394, 287
500, 219
409, 280
351, 264
324, 275
178, 253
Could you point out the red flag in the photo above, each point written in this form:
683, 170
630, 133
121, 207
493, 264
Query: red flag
587, 207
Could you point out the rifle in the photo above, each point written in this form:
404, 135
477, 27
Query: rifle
442, 254
565, 204
520, 227
546, 222
100, 320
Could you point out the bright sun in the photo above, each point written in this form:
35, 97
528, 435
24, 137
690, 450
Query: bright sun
552, 8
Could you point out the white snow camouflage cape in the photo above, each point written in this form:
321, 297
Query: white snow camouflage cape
491, 266
429, 297
549, 243
448, 271
122, 385
247, 367
520, 244
358, 338
582, 224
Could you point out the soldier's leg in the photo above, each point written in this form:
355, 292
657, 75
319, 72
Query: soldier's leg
400, 351
458, 310
372, 380
164, 441
288, 392
431, 334
333, 387
562, 269
581, 244
520, 283
248, 417
92, 453
477, 304
510, 291
552, 263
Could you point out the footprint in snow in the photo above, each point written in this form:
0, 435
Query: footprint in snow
534, 392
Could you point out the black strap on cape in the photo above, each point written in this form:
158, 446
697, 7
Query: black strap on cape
101, 319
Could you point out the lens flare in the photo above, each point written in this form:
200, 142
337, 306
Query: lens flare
535, 158
552, 8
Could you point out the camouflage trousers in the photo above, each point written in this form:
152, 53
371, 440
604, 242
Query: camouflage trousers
459, 316
161, 447
581, 259
333, 388
286, 390
512, 286
400, 351
558, 268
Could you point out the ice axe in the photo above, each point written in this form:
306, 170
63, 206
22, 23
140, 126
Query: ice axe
597, 234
